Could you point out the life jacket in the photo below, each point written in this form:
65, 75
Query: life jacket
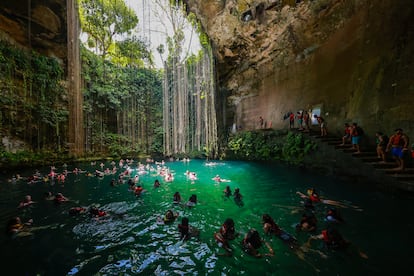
101, 213
15, 227
325, 236
314, 198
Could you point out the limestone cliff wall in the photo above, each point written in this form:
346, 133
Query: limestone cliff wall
351, 58
37, 25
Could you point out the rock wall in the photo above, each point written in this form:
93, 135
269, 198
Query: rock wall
38, 24
350, 58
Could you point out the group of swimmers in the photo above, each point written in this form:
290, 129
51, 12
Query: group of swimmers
251, 242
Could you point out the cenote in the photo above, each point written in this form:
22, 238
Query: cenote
129, 240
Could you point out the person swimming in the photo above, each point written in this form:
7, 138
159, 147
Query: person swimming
333, 215
271, 228
226, 233
187, 231
176, 198
217, 178
331, 238
76, 211
60, 198
192, 201
15, 226
238, 198
170, 216
49, 196
307, 223
138, 190
95, 212
227, 191
252, 242
27, 201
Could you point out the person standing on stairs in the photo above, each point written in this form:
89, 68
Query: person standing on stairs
356, 137
398, 144
322, 124
347, 134
382, 142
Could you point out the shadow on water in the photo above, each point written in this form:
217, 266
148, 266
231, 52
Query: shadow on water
132, 239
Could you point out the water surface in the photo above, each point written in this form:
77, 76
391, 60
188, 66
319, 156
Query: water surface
131, 241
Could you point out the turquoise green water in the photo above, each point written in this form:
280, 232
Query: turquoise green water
130, 241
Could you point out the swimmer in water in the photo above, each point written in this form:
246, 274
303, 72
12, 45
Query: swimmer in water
76, 210
170, 217
27, 201
187, 231
176, 198
238, 198
95, 212
226, 233
60, 198
227, 192
15, 226
192, 201
271, 228
333, 215
252, 242
307, 223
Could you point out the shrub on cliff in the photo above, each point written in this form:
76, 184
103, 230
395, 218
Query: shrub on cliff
269, 146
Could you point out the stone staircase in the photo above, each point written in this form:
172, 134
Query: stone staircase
368, 156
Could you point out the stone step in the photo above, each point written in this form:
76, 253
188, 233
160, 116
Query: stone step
365, 154
325, 138
349, 150
405, 185
331, 139
335, 143
386, 165
395, 171
370, 159
405, 177
346, 146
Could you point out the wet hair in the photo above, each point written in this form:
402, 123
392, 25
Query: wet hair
229, 222
266, 218
193, 198
184, 221
10, 224
169, 214
94, 211
253, 238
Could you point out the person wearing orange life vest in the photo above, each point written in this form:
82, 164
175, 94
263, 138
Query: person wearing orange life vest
332, 239
398, 144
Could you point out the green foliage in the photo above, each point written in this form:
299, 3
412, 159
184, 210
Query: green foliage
103, 20
125, 100
270, 146
29, 158
33, 101
130, 52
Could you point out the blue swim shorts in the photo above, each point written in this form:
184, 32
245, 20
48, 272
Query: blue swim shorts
397, 152
355, 140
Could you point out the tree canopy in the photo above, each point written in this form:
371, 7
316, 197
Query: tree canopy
104, 21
